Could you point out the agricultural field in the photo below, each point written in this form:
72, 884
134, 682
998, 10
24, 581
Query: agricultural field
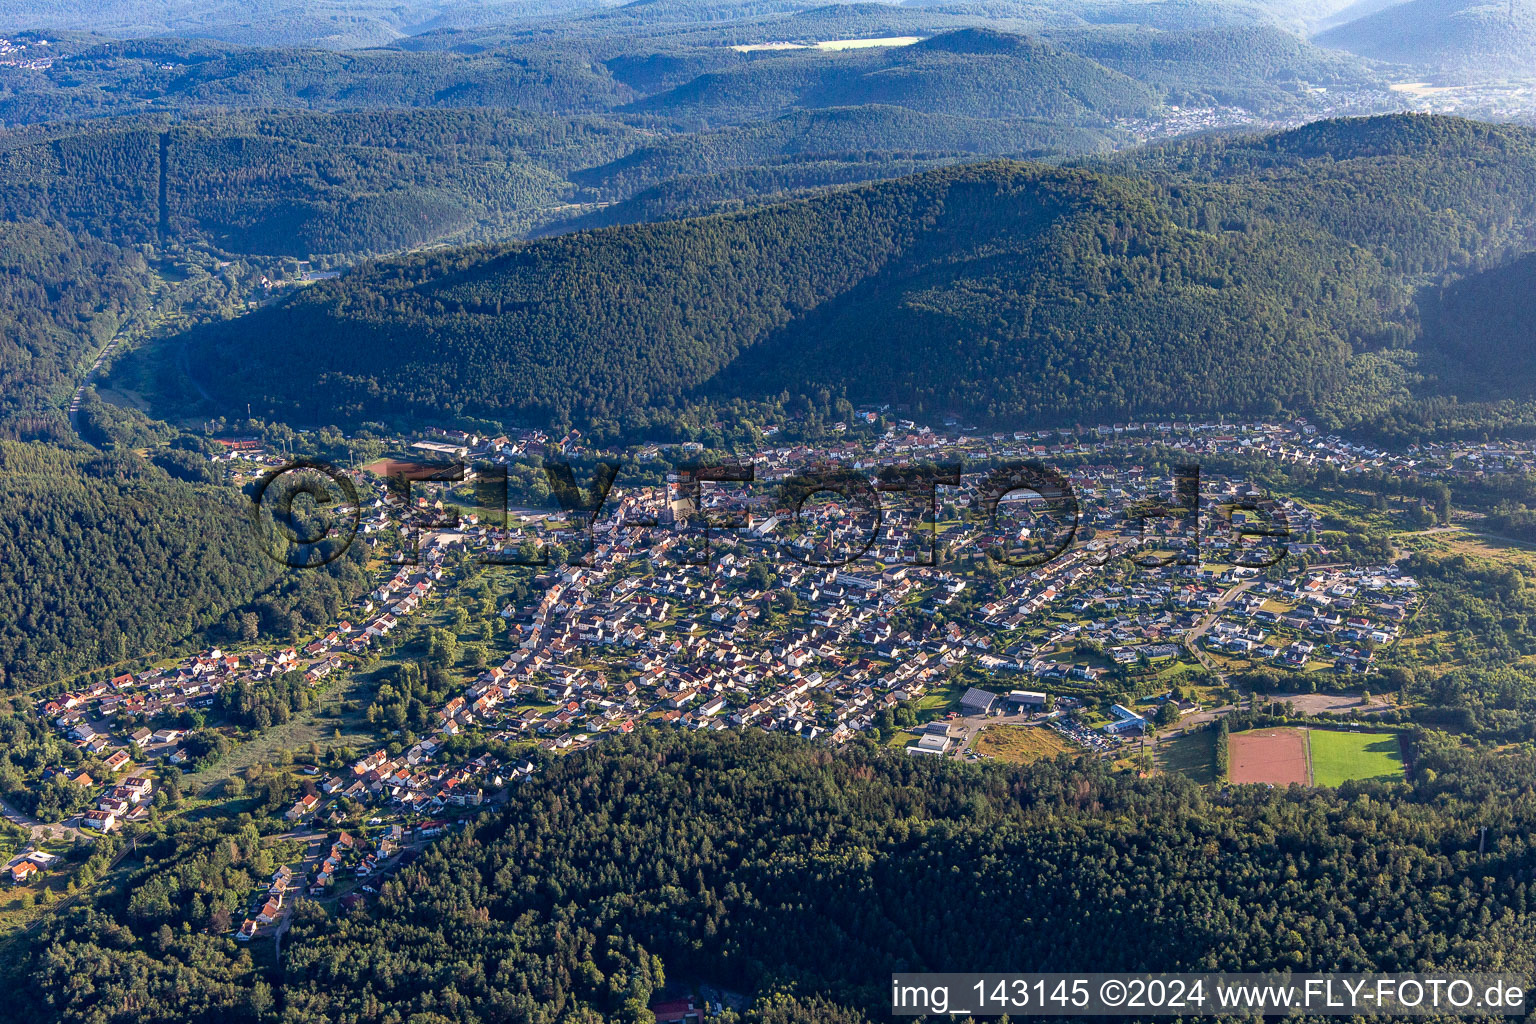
1321, 757
1022, 744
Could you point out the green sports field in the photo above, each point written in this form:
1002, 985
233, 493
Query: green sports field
1343, 756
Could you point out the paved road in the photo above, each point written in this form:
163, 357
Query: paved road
39, 830
305, 834
314, 846
1191, 640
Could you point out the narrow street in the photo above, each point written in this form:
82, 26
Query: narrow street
39, 830
1191, 641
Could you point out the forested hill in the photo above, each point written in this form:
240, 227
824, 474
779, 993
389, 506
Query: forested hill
61, 299
110, 555
331, 23
1479, 331
1429, 195
804, 877
1473, 38
298, 184
867, 133
131, 75
738, 62
1242, 278
965, 286
970, 72
1258, 67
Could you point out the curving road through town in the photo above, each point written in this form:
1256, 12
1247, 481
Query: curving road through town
39, 829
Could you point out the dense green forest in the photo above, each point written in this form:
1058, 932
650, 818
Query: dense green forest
1255, 67
61, 297
740, 188
470, 25
1481, 331
804, 877
1226, 275
528, 125
299, 184
870, 132
1466, 37
970, 72
673, 62
332, 23
183, 143
1431, 196
120, 77
108, 556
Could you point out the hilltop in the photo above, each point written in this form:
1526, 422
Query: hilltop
1258, 67
1012, 292
298, 183
984, 287
1478, 38
865, 133
970, 73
